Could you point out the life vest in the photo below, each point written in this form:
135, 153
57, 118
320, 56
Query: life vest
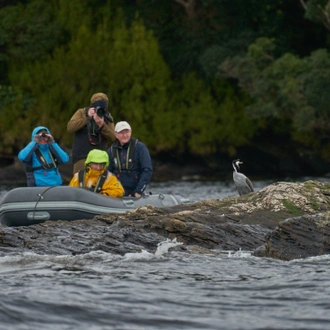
129, 157
42, 160
99, 184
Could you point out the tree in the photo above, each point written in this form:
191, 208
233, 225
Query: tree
27, 32
209, 120
123, 62
317, 11
287, 87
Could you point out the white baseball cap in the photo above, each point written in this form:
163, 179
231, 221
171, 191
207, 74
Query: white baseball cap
121, 125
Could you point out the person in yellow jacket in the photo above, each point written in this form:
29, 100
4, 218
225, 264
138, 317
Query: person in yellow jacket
96, 177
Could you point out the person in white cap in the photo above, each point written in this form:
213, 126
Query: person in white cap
130, 161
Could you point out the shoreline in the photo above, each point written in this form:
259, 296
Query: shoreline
258, 164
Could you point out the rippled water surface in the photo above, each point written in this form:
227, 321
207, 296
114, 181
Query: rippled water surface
165, 289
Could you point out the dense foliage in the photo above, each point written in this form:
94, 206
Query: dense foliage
195, 76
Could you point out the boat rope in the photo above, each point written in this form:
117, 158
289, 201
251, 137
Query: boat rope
41, 196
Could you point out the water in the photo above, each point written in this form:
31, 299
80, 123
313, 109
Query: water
165, 289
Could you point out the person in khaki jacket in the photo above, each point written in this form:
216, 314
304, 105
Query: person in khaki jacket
96, 177
93, 128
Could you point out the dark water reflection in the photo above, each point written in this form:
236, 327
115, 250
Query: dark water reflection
197, 190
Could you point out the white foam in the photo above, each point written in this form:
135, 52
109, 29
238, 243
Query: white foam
162, 248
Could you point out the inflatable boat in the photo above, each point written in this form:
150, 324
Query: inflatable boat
27, 206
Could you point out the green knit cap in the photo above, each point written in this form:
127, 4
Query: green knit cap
97, 156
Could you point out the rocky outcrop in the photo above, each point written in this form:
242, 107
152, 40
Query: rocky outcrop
284, 220
298, 237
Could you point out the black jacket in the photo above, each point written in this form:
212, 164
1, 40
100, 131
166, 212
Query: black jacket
137, 176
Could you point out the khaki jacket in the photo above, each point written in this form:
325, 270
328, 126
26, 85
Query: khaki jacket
81, 141
79, 121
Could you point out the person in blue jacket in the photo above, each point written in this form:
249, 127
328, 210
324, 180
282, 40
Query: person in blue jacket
130, 161
41, 158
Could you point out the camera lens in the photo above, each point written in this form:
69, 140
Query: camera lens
100, 111
43, 134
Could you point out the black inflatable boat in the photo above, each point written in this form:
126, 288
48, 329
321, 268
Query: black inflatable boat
27, 206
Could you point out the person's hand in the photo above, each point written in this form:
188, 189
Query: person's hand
36, 138
137, 195
91, 112
98, 120
43, 138
50, 139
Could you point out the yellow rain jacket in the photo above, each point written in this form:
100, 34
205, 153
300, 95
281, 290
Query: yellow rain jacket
111, 186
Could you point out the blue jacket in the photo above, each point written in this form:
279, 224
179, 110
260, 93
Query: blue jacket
138, 176
35, 175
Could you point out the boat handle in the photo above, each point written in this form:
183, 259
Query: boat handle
128, 202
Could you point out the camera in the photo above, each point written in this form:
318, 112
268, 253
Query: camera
43, 134
100, 111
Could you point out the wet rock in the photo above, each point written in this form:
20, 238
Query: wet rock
284, 220
299, 237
